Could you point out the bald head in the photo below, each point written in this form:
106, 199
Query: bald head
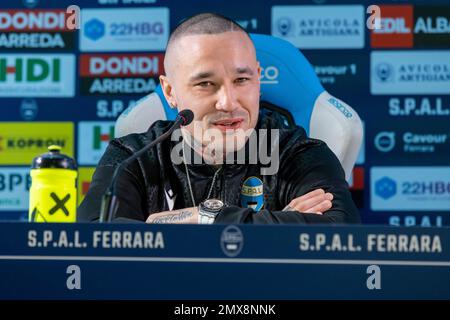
201, 24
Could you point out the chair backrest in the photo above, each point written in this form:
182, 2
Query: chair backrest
287, 81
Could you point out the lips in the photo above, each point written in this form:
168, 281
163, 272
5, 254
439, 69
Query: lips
228, 124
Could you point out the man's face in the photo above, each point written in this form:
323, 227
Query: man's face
217, 77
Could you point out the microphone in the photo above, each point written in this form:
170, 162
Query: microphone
110, 203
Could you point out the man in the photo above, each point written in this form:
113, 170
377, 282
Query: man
211, 68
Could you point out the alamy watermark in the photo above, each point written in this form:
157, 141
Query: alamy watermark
73, 17
213, 146
374, 20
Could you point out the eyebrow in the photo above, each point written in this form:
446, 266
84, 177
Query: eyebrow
244, 70
201, 76
209, 74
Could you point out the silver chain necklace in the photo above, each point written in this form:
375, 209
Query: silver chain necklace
189, 178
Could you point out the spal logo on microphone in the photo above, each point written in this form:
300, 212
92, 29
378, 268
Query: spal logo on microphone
252, 194
231, 241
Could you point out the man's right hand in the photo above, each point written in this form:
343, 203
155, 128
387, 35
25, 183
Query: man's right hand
317, 201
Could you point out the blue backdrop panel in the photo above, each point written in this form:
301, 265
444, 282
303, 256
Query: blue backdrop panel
398, 81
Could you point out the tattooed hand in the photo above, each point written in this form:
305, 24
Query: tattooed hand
187, 215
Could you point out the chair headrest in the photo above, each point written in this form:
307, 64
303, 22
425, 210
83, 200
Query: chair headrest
288, 79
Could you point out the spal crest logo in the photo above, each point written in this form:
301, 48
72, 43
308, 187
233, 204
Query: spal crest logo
28, 109
231, 241
252, 194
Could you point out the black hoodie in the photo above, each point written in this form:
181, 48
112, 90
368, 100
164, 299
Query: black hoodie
149, 184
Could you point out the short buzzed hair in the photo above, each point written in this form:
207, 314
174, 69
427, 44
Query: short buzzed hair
205, 23
202, 24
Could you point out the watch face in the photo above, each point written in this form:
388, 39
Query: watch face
213, 204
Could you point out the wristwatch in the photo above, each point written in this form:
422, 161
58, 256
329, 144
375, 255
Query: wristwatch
208, 210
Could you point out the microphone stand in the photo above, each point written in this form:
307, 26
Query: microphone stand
110, 202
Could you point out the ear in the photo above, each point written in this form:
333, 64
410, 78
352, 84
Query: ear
259, 77
167, 89
259, 70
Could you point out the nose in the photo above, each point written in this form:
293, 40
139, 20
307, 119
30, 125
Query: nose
227, 99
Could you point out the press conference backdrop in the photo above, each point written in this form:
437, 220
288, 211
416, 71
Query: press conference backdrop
67, 87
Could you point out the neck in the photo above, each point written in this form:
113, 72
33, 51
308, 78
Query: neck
201, 154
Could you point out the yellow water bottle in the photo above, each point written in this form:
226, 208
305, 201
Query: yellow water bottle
53, 193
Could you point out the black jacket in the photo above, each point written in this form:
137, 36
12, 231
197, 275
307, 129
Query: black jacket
305, 164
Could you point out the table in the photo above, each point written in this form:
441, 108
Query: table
140, 261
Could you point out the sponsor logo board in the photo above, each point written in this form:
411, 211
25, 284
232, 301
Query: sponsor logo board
410, 72
320, 27
109, 74
410, 188
407, 26
20, 142
129, 29
412, 142
396, 25
40, 30
15, 183
37, 75
93, 138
